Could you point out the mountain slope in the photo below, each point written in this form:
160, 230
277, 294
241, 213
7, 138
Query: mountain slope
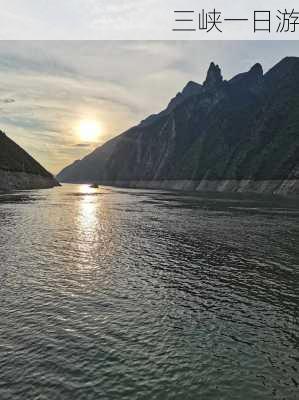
18, 170
237, 135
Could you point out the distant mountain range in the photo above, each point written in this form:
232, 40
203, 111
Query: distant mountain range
238, 135
18, 170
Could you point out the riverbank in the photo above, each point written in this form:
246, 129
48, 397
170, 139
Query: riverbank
13, 180
287, 187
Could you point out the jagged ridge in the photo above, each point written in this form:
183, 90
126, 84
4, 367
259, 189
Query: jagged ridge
242, 130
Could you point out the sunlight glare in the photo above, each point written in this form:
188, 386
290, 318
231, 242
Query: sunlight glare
89, 130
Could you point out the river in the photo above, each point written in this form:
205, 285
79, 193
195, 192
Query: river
136, 294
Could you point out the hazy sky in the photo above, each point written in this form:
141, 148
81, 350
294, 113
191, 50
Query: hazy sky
47, 88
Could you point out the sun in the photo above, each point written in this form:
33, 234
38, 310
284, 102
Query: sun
89, 130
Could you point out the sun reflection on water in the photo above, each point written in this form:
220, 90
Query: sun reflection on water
88, 217
94, 239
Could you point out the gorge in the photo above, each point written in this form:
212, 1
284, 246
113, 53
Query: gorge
239, 135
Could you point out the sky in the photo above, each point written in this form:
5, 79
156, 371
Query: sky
48, 88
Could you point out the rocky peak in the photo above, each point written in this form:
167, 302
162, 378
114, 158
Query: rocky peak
257, 70
287, 68
214, 77
191, 88
248, 79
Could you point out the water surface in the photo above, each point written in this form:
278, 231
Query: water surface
128, 294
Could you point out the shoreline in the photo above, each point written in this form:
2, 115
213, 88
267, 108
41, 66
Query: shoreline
287, 187
13, 180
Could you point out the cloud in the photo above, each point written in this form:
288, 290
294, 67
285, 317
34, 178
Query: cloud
82, 145
8, 101
57, 84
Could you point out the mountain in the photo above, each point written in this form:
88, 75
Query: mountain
18, 170
238, 135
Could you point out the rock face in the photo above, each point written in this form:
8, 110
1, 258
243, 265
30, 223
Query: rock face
238, 135
214, 77
18, 170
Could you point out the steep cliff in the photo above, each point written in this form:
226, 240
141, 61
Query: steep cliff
237, 135
18, 170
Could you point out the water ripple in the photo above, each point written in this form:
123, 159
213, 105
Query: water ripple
131, 294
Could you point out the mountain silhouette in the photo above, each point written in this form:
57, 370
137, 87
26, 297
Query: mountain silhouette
237, 135
18, 170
